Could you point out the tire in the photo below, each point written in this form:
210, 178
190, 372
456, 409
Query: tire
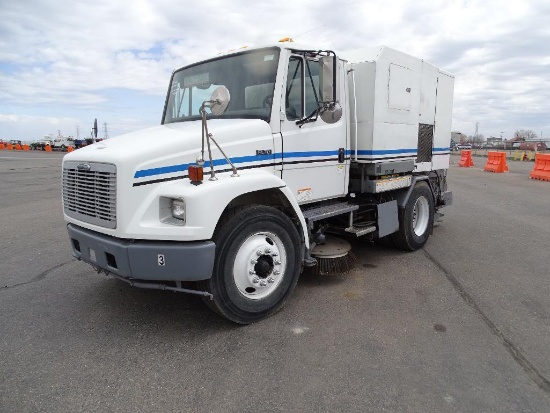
257, 264
416, 219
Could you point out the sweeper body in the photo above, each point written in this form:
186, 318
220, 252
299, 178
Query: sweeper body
265, 160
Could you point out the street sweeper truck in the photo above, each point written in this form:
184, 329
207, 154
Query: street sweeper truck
265, 161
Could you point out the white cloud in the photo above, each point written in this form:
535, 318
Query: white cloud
63, 59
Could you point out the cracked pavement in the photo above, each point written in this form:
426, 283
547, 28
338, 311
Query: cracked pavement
461, 326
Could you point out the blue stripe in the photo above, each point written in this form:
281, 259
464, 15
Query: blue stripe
237, 160
160, 171
308, 154
217, 162
258, 158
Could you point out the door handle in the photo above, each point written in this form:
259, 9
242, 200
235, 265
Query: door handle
341, 155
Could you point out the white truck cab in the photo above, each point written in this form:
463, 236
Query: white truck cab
259, 154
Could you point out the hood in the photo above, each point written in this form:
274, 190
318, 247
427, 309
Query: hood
169, 148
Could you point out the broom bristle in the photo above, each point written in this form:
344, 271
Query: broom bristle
334, 266
333, 257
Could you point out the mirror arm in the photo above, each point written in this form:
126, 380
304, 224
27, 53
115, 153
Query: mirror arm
206, 134
209, 137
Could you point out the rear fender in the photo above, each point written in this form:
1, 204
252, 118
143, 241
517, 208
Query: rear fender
403, 195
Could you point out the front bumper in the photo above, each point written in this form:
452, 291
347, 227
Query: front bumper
144, 259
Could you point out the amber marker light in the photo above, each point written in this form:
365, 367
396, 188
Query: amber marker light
196, 174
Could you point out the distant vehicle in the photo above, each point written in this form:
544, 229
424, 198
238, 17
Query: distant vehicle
487, 146
41, 144
14, 142
531, 146
62, 142
463, 146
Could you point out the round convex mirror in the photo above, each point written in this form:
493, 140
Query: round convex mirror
219, 100
331, 113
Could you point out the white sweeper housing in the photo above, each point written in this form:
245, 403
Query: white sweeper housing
401, 109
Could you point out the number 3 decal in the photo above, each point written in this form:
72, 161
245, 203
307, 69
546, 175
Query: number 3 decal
161, 260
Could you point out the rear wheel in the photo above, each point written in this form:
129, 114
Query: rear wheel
257, 264
416, 219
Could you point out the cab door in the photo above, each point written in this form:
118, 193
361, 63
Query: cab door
315, 154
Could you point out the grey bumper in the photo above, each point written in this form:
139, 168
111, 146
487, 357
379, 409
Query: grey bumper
144, 260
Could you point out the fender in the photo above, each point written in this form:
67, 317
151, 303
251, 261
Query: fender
204, 205
403, 196
288, 194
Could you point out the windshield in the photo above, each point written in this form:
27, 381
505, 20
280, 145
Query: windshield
249, 77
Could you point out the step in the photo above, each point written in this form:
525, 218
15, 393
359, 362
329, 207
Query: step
327, 211
360, 231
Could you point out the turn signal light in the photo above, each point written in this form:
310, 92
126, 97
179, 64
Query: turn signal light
196, 174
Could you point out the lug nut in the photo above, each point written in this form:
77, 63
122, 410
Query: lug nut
255, 280
277, 262
271, 280
251, 272
276, 272
263, 283
268, 250
259, 252
253, 261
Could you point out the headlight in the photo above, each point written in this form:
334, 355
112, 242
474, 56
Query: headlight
178, 209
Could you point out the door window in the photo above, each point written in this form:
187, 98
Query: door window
302, 88
294, 89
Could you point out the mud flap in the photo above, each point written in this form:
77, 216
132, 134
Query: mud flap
388, 220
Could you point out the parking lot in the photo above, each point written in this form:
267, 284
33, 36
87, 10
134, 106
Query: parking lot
462, 325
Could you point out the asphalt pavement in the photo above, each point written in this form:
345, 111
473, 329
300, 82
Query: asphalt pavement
462, 325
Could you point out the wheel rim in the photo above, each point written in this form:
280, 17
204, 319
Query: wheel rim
259, 265
421, 216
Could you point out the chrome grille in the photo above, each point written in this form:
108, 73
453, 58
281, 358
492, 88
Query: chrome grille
89, 192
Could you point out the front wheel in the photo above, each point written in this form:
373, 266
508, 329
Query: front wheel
416, 219
257, 264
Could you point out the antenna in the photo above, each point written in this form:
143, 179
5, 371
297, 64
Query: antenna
106, 134
309, 31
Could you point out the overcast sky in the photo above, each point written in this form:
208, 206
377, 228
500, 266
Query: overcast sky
65, 62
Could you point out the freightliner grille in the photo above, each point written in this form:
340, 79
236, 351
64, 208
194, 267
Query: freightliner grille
89, 192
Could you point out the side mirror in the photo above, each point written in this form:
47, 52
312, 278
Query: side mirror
331, 110
219, 100
327, 74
